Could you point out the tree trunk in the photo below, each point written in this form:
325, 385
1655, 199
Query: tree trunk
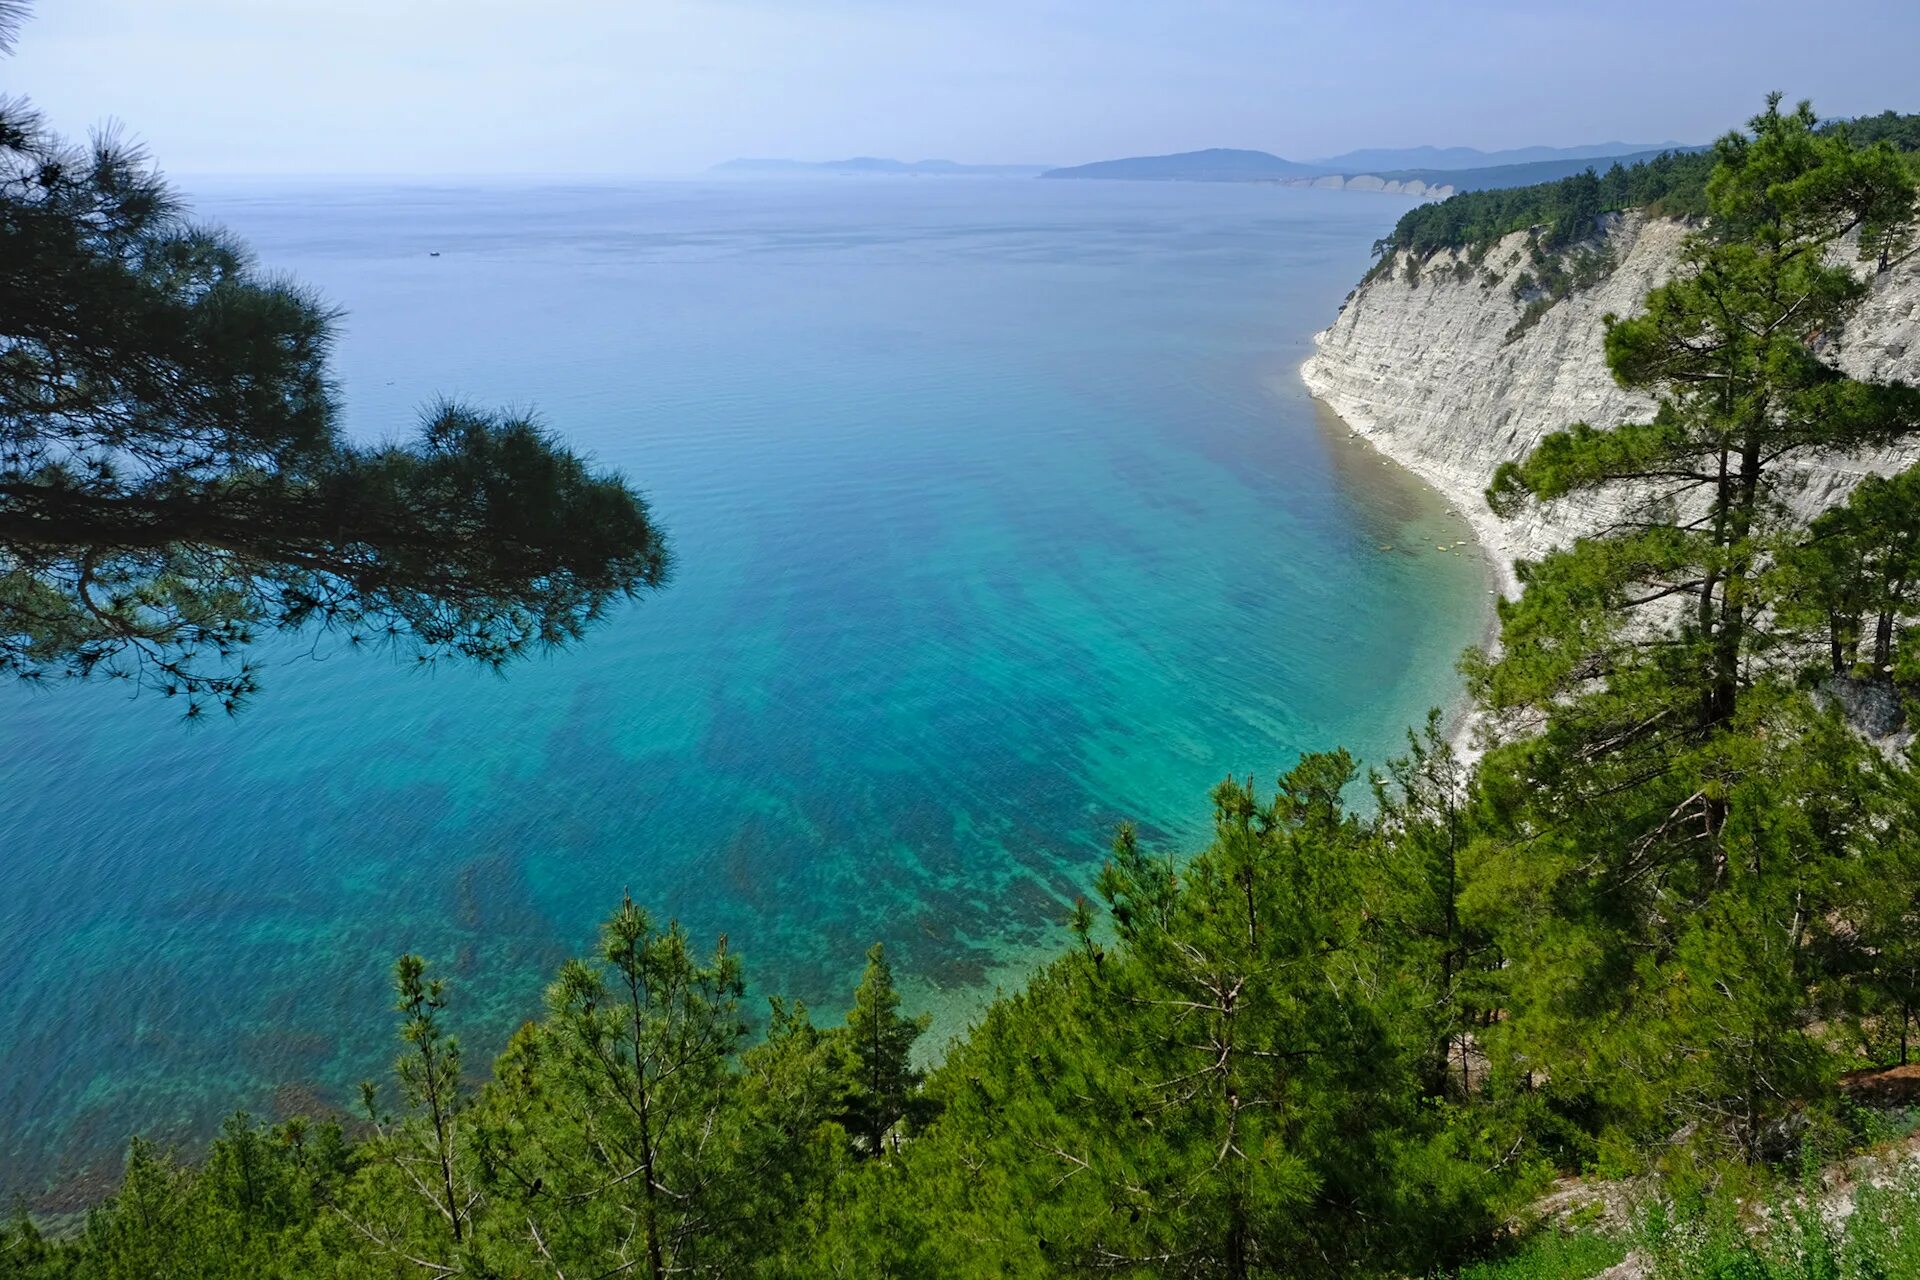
649, 1206
1733, 523
1733, 620
650, 1217
442, 1140
1237, 1266
1712, 587
879, 1113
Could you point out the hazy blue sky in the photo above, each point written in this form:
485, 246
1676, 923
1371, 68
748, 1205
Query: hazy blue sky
638, 86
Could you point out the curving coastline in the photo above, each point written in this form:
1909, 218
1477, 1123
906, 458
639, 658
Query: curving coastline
1435, 368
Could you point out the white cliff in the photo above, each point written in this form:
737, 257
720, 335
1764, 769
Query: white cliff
1422, 364
1373, 182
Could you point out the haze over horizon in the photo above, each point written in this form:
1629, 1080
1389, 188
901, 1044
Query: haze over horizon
670, 86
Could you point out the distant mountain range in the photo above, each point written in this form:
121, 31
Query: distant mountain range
879, 165
1411, 170
1223, 165
1376, 159
1219, 164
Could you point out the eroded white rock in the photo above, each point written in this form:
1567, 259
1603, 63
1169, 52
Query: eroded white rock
1424, 369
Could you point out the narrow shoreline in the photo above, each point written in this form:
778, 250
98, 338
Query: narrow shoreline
1492, 539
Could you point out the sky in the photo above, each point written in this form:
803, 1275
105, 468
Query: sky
670, 86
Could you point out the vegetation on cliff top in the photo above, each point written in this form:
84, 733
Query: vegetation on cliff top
1673, 184
1677, 898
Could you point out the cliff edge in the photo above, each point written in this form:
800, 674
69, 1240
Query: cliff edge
1450, 370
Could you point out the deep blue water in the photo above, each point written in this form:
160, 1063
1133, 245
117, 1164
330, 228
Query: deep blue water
999, 514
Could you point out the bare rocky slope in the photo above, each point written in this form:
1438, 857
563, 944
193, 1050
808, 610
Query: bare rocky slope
1435, 367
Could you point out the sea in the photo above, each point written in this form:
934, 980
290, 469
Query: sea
999, 517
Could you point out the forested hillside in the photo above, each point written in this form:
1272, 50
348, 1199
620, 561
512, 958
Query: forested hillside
1677, 899
1673, 184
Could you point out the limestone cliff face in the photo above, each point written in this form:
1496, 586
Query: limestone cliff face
1374, 182
1431, 368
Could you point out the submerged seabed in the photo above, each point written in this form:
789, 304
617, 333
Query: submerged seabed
999, 517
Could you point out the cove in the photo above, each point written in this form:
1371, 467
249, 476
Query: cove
999, 517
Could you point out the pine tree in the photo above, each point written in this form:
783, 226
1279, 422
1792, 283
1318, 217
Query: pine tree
1660, 845
1731, 351
614, 1123
151, 1227
1858, 569
882, 1082
1881, 986
418, 1203
1229, 1083
174, 480
1413, 896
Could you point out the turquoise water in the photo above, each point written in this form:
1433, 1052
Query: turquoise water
1000, 516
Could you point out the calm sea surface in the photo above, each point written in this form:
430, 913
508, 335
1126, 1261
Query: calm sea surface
1000, 516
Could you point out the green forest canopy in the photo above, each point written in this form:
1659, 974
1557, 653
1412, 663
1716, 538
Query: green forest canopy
1673, 184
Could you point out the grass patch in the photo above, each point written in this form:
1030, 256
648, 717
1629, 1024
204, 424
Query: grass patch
1551, 1255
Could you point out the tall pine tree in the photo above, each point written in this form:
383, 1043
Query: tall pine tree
882, 1081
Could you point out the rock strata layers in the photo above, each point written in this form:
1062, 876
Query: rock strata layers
1435, 367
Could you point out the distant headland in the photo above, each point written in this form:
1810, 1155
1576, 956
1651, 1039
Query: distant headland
1444, 171
880, 165
1425, 171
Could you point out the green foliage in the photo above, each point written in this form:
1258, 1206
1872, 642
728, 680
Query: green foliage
1902, 132
1855, 574
1670, 185
173, 480
1739, 1232
1790, 1236
1665, 912
884, 1084
1248, 1069
1670, 849
1557, 273
1247, 1078
249, 1209
1551, 1255
1878, 983
1303, 1051
424, 1211
1728, 348
1566, 249
613, 1127
1566, 211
